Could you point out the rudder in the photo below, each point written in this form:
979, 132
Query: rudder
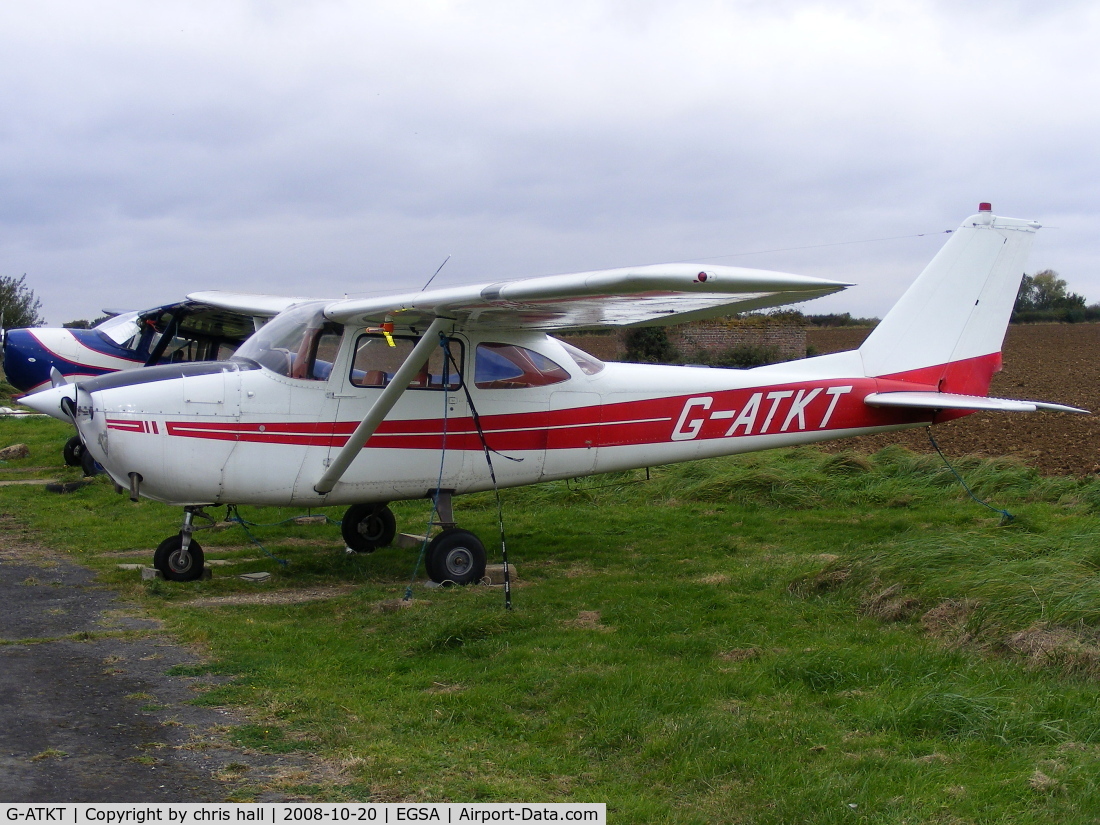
948, 327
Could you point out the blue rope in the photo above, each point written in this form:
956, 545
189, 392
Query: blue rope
232, 514
1006, 516
242, 521
496, 492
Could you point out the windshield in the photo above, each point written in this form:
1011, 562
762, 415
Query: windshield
589, 364
288, 343
121, 328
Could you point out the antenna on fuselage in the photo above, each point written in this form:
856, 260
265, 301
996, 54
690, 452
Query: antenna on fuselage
435, 273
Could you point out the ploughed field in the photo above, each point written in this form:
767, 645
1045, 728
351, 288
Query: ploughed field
1042, 362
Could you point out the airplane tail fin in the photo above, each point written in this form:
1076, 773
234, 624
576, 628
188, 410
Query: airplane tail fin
948, 327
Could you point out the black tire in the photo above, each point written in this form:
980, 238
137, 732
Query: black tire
73, 451
456, 556
167, 560
366, 527
89, 464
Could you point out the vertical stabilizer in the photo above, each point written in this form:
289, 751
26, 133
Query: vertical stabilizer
948, 327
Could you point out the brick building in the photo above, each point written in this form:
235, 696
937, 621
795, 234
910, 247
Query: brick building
783, 335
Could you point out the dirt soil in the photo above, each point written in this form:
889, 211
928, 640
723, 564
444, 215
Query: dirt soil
91, 713
1042, 362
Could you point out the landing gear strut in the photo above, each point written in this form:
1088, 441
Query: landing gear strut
179, 558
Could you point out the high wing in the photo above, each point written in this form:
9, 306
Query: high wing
227, 315
245, 303
632, 296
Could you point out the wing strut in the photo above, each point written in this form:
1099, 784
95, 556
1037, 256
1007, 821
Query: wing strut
381, 408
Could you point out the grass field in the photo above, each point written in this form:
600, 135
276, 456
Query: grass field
784, 637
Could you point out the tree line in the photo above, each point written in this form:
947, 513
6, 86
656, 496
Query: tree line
18, 304
1042, 297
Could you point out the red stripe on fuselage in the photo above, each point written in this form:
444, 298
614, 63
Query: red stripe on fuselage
126, 425
805, 406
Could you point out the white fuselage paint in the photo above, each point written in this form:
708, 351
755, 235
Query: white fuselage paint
254, 437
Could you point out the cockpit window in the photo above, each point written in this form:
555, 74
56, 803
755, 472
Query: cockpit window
376, 362
298, 343
507, 366
121, 328
589, 364
177, 333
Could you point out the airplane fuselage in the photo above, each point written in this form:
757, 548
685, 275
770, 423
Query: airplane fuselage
77, 354
237, 433
365, 401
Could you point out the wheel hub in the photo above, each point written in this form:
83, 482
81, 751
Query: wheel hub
459, 561
174, 561
371, 528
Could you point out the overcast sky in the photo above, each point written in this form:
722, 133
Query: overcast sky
323, 148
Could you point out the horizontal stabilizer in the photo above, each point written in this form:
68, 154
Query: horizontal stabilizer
949, 401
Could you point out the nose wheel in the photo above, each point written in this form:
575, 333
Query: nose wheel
174, 564
179, 558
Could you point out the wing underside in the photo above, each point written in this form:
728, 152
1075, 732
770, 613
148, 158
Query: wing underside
640, 296
245, 303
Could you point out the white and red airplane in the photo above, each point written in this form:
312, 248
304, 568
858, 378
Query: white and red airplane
367, 401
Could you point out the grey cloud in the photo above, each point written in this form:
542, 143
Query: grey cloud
334, 147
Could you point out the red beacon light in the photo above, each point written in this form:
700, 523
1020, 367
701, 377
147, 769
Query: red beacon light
985, 207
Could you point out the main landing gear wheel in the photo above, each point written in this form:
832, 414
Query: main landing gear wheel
456, 556
167, 560
366, 527
73, 451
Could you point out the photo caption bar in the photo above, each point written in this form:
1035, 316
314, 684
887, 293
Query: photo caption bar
194, 813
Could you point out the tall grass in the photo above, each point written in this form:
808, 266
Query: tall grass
781, 637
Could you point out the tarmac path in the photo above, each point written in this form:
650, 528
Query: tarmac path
89, 713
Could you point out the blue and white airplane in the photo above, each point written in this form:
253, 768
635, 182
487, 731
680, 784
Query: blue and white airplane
205, 326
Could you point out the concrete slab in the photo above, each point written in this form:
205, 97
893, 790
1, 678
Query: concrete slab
495, 573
